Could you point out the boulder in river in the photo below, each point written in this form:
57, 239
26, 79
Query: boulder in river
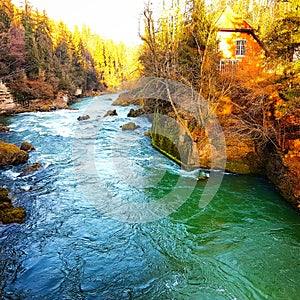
133, 113
10, 154
111, 113
4, 195
12, 215
130, 126
27, 147
9, 213
4, 128
82, 118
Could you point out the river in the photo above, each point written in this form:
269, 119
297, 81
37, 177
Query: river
244, 244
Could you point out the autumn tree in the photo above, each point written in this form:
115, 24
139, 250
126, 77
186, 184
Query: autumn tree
6, 17
161, 38
39, 57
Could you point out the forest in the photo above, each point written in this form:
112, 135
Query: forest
40, 57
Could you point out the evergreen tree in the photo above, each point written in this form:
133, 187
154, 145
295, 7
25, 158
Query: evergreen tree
284, 38
39, 57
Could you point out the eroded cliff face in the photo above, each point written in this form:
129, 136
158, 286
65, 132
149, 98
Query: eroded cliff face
9, 106
242, 157
203, 150
285, 174
6, 99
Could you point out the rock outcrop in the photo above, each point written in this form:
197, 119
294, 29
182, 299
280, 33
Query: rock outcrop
243, 154
285, 174
126, 99
9, 107
198, 151
6, 99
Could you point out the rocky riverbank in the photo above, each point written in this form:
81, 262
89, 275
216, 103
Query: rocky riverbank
243, 154
36, 105
11, 154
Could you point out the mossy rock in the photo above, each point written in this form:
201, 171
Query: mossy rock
9, 213
5, 205
238, 166
4, 195
130, 126
12, 215
10, 154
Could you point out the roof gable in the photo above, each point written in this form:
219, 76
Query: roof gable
230, 20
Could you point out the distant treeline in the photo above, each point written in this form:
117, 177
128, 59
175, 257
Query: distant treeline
39, 57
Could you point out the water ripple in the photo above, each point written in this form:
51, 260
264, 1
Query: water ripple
243, 245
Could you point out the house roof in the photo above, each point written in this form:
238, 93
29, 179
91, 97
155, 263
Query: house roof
231, 21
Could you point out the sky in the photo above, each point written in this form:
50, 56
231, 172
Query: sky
113, 19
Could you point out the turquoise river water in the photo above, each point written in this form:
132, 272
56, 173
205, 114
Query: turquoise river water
245, 244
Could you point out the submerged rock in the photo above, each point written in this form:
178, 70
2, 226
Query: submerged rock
27, 147
111, 113
10, 154
82, 118
32, 168
203, 176
129, 126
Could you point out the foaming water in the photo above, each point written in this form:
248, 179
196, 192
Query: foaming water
243, 245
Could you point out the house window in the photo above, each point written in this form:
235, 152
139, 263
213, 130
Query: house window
233, 65
222, 66
228, 65
240, 48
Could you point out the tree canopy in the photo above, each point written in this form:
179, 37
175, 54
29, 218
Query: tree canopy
39, 57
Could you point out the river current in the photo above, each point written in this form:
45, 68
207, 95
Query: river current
244, 244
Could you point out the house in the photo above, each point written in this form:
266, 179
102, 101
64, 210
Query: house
240, 47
